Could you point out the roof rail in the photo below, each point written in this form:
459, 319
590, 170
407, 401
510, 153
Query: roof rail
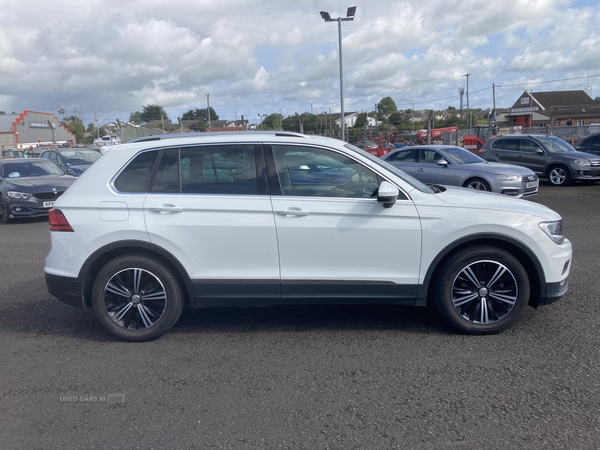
160, 137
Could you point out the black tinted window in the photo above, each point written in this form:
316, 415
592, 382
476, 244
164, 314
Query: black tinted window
136, 176
407, 155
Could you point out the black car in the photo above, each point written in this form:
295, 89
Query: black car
75, 159
589, 144
29, 187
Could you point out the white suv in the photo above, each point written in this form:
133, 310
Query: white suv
281, 218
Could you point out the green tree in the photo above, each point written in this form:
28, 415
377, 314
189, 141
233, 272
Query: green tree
597, 99
386, 106
153, 112
200, 114
75, 126
136, 118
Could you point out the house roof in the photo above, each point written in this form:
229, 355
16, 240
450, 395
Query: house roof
552, 99
6, 122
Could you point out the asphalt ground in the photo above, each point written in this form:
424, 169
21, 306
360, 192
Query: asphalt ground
302, 377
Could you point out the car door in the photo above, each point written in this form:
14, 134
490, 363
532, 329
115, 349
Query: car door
216, 224
505, 150
429, 171
335, 240
532, 155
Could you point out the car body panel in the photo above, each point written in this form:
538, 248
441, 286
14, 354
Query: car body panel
292, 248
537, 153
444, 167
39, 180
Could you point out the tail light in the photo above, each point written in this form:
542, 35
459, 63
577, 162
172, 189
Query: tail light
58, 221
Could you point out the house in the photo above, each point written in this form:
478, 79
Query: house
553, 108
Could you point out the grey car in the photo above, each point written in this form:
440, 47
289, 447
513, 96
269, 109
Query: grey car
589, 144
29, 187
455, 166
548, 156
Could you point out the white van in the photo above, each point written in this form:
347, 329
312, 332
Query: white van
107, 140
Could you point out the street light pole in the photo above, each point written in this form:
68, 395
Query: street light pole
350, 13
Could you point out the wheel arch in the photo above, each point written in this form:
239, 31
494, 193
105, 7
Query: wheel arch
478, 178
526, 257
100, 257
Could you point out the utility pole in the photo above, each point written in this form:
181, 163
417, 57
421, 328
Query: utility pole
208, 110
468, 110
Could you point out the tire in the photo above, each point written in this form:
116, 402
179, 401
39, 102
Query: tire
4, 212
478, 184
137, 298
559, 175
481, 276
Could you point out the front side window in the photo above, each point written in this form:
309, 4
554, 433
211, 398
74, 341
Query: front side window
315, 172
429, 156
405, 155
529, 146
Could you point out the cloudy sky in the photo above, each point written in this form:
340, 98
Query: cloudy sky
109, 57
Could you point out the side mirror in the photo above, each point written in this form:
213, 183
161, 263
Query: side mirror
442, 162
539, 151
387, 194
70, 171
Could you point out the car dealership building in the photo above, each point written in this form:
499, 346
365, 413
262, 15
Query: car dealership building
32, 129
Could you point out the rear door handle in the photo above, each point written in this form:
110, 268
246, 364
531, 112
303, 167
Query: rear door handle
293, 212
166, 209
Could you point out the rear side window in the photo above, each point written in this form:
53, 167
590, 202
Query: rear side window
138, 173
506, 144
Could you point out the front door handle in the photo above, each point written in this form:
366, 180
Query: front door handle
293, 212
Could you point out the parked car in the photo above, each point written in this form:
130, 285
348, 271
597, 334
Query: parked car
75, 159
30, 186
547, 156
455, 166
107, 140
589, 144
164, 231
7, 154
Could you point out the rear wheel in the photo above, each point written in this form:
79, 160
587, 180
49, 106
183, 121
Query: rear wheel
137, 298
482, 290
478, 184
559, 175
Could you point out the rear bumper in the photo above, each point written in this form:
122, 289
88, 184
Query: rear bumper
65, 289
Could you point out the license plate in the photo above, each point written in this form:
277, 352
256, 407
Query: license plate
530, 184
48, 204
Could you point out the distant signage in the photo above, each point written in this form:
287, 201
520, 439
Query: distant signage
525, 101
520, 110
40, 125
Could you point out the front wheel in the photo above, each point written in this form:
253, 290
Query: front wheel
137, 298
559, 175
4, 210
482, 290
478, 184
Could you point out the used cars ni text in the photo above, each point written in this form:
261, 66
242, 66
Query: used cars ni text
455, 166
157, 225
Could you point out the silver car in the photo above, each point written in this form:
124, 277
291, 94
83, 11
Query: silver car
455, 166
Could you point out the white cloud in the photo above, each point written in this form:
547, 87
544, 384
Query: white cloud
115, 56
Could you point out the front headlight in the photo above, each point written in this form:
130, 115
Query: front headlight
507, 177
582, 162
22, 195
553, 230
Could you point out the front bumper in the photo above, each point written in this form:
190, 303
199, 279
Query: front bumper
554, 292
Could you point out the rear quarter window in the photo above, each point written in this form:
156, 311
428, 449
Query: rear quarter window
136, 176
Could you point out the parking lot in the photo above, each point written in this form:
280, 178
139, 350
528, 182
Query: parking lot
326, 377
